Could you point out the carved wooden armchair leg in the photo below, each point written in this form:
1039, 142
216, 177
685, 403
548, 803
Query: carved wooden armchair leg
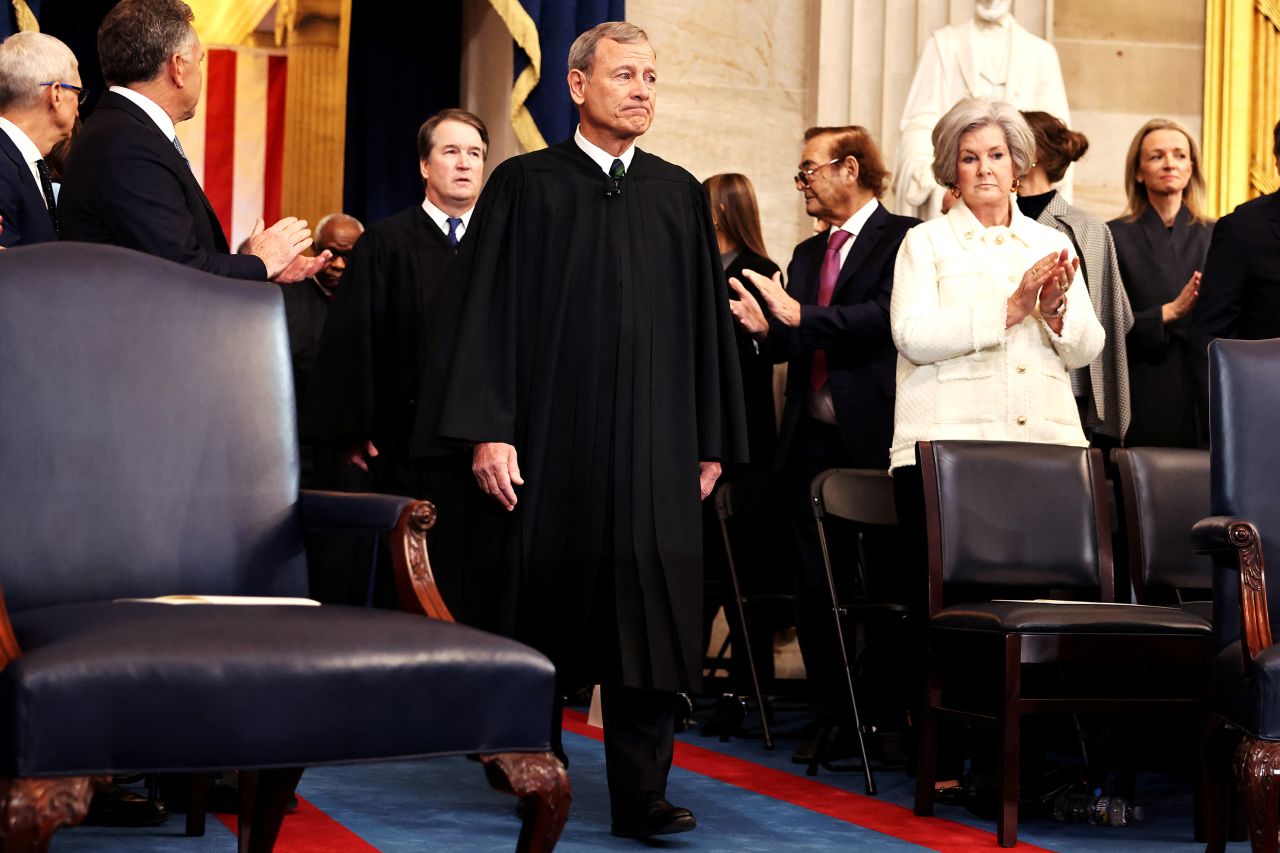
1257, 769
32, 810
264, 796
541, 783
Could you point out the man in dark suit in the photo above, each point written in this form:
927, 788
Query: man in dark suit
39, 100
1240, 288
832, 329
127, 179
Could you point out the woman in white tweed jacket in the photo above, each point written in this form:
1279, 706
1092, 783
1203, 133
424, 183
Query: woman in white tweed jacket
980, 315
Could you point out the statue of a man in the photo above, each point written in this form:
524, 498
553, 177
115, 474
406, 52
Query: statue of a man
990, 56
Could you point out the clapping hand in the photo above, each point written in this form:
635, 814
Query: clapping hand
1185, 300
747, 311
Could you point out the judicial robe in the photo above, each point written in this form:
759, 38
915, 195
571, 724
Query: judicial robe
372, 383
596, 338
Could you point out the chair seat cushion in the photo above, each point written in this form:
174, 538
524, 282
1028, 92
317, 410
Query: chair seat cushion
118, 687
1034, 617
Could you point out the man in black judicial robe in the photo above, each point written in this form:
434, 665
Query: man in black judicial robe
371, 386
596, 372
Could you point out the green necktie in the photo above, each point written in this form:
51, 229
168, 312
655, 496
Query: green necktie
617, 171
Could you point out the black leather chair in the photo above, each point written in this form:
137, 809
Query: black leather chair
1164, 492
147, 448
1245, 526
865, 499
753, 529
1030, 522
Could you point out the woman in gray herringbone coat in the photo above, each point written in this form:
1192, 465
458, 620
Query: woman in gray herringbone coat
1101, 388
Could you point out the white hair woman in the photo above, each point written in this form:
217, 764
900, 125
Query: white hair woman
980, 313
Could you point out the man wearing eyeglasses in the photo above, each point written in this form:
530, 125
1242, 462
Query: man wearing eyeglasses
832, 328
40, 94
127, 180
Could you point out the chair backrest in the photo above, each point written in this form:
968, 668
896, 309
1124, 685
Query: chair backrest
1165, 491
1016, 515
1244, 464
855, 494
147, 440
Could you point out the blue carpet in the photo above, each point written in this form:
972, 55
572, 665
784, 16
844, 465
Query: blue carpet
446, 804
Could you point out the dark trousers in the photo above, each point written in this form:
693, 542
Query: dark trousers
817, 447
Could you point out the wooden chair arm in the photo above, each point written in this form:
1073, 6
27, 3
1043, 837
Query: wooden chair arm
415, 582
9, 649
1221, 534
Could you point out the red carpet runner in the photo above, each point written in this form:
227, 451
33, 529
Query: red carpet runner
869, 812
309, 830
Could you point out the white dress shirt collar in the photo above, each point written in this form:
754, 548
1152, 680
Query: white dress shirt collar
854, 225
151, 108
603, 158
441, 219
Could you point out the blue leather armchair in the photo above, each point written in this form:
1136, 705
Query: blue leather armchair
148, 448
1244, 526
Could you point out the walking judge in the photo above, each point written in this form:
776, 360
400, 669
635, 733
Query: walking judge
596, 372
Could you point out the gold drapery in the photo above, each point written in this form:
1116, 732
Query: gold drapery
525, 34
1241, 100
27, 22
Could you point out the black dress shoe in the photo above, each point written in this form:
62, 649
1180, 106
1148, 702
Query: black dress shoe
648, 813
116, 806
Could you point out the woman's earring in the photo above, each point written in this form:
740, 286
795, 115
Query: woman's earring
955, 191
1017, 182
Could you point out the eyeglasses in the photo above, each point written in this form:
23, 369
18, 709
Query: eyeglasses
82, 92
803, 176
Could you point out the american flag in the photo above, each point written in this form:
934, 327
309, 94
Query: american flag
235, 142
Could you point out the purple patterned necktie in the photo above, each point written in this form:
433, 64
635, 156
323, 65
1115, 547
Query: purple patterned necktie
827, 286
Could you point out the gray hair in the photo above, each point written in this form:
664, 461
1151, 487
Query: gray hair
26, 61
582, 55
973, 114
337, 219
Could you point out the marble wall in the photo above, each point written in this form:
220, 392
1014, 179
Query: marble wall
1125, 63
740, 80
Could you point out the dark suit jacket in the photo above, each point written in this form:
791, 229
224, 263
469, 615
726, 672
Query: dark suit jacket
757, 367
854, 330
1240, 288
1155, 264
26, 219
125, 184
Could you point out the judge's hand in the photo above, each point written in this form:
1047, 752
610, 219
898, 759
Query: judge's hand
747, 311
497, 472
278, 245
360, 455
708, 473
1186, 300
1022, 302
778, 301
303, 267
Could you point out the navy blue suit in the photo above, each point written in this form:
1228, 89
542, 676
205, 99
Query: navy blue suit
854, 331
861, 365
26, 218
125, 184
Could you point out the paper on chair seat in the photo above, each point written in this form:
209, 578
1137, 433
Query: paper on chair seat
1073, 601
224, 599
